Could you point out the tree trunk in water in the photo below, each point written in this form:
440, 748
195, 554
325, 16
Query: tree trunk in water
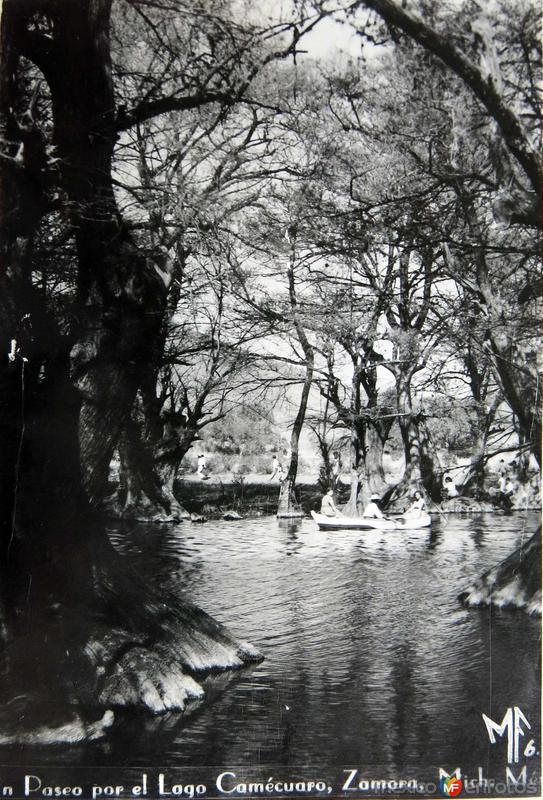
374, 461
367, 473
69, 590
429, 463
155, 439
411, 441
359, 490
475, 477
519, 379
359, 494
288, 505
420, 469
515, 367
145, 493
150, 451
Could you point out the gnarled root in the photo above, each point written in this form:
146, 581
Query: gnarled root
515, 582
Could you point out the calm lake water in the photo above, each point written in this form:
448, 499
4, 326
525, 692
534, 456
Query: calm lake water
369, 658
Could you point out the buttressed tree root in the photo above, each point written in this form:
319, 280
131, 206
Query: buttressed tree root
514, 583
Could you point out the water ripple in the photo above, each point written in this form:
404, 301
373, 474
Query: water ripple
369, 657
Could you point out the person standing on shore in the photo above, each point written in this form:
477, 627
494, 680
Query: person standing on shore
202, 466
503, 472
276, 467
336, 468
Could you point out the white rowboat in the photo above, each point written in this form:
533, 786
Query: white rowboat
366, 523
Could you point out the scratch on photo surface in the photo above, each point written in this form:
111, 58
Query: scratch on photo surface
28, 590
19, 453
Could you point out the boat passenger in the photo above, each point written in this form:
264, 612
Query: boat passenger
372, 510
417, 506
449, 489
328, 507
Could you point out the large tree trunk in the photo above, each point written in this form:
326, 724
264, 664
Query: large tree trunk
288, 505
475, 477
409, 430
519, 380
155, 439
145, 490
368, 430
515, 364
151, 448
65, 589
68, 590
367, 473
420, 463
374, 460
359, 492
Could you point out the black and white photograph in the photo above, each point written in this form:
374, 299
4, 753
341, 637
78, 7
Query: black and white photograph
270, 399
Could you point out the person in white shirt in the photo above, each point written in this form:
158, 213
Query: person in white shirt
449, 489
503, 472
276, 467
417, 507
372, 510
202, 465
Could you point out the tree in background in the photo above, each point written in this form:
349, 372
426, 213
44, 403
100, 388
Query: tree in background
495, 63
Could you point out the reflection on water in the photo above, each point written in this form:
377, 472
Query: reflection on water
369, 658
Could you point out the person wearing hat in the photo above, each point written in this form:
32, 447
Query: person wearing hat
372, 510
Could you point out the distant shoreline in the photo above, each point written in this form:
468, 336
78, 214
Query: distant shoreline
255, 495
